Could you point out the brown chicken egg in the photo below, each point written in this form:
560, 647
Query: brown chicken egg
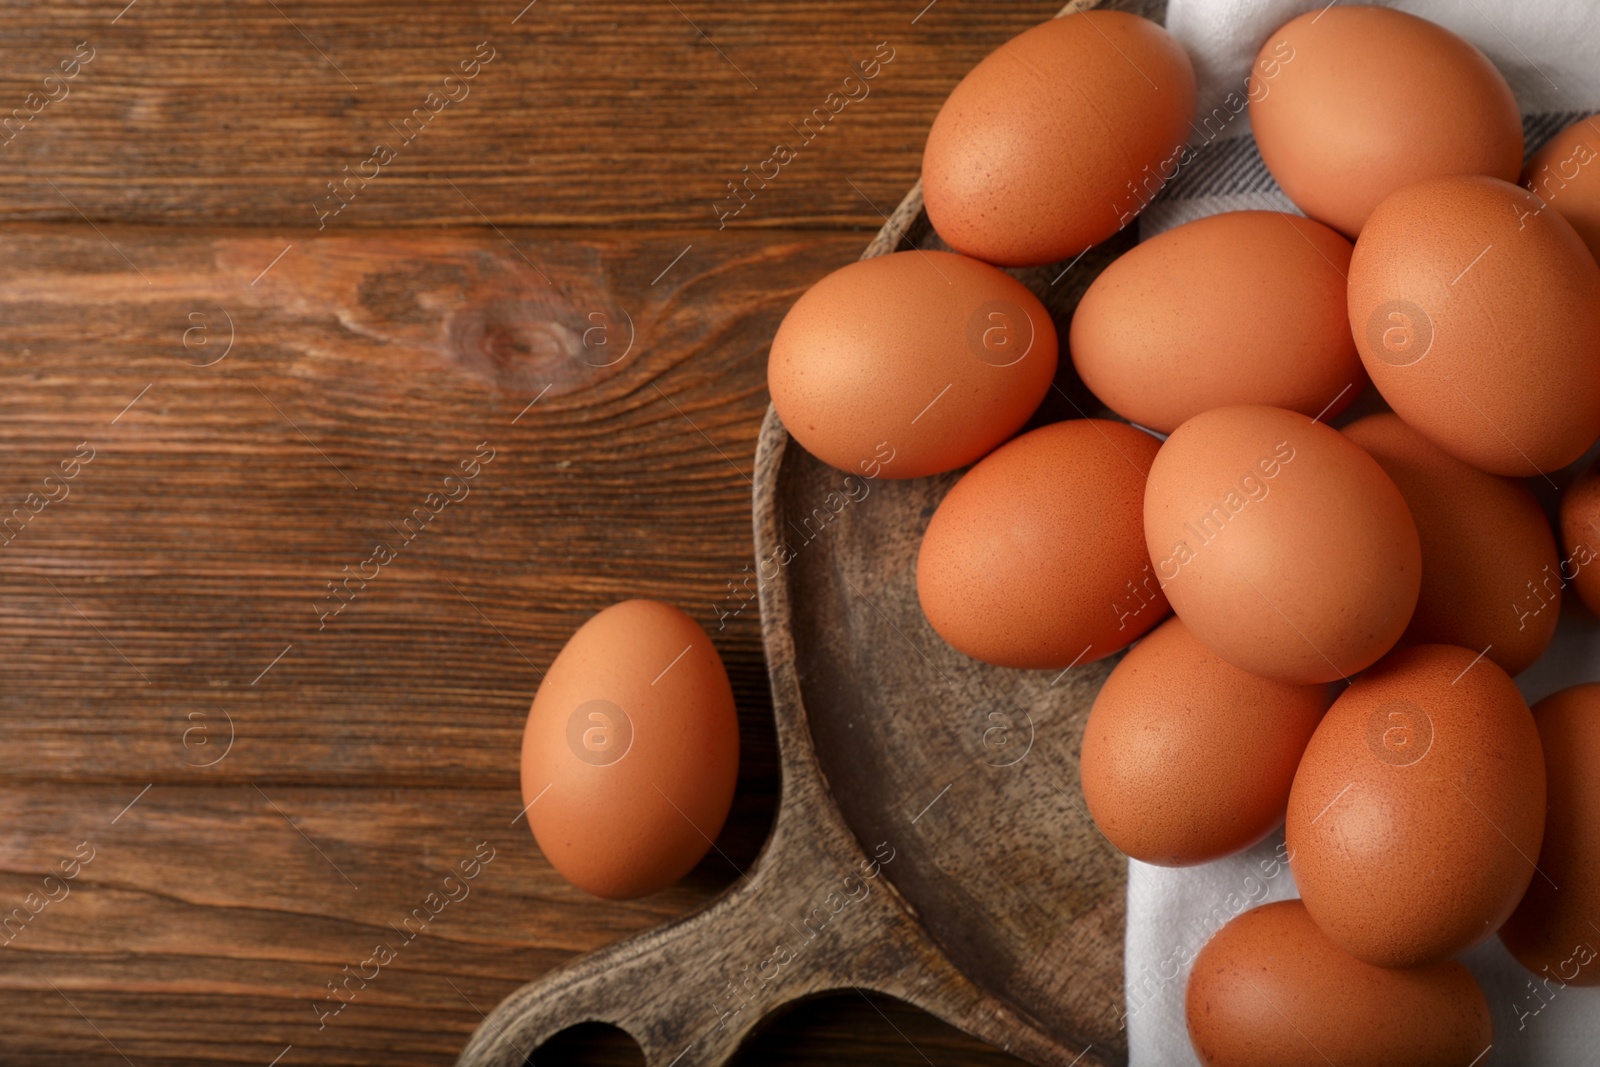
1491, 576
1034, 559
1187, 758
1580, 540
1367, 100
911, 364
1477, 315
1152, 339
1418, 807
1281, 544
1270, 990
631, 751
1058, 138
1565, 174
1553, 932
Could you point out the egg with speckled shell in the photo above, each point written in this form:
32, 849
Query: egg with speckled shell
1491, 577
1477, 315
1270, 990
1551, 931
1565, 174
1059, 138
1580, 541
1365, 100
631, 751
1281, 544
1418, 808
911, 364
1155, 341
1033, 559
1187, 758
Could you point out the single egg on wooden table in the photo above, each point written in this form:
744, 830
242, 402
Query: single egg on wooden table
1366, 100
1034, 559
1580, 540
1477, 315
1491, 574
1270, 990
1418, 808
1186, 758
1245, 307
1281, 544
631, 751
1565, 174
911, 364
1552, 932
1058, 138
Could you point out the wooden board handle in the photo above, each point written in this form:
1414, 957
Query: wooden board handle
660, 988
811, 915
815, 914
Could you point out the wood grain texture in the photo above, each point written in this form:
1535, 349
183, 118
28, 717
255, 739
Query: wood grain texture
140, 605
619, 115
145, 607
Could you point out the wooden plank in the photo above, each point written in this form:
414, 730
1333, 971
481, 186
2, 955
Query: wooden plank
180, 581
618, 115
205, 923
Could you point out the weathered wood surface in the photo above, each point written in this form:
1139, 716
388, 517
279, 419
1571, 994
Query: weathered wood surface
612, 115
147, 601
137, 609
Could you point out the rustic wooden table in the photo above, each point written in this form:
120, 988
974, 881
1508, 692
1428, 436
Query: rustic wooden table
272, 271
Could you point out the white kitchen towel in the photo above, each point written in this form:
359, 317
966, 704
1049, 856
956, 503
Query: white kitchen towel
1549, 51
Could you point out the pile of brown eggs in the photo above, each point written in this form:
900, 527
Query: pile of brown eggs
1350, 603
